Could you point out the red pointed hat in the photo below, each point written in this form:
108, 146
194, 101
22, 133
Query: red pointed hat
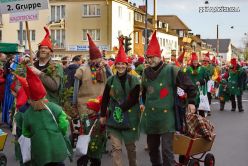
47, 40
141, 59
181, 57
24, 84
93, 49
153, 49
194, 57
21, 98
36, 89
121, 56
95, 104
207, 58
234, 62
214, 60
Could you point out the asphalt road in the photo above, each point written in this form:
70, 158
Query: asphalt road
230, 147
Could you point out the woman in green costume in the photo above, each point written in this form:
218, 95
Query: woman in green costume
45, 124
121, 96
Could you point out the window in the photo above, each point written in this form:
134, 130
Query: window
1, 35
57, 13
91, 10
136, 37
94, 33
164, 42
24, 35
58, 38
129, 16
138, 17
120, 11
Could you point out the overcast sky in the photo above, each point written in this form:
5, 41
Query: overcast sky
205, 23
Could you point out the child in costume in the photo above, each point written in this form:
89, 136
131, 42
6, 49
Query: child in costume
224, 94
98, 137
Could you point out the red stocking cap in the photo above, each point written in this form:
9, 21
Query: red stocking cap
207, 58
121, 56
36, 88
23, 83
21, 98
153, 49
95, 104
194, 57
234, 62
47, 41
181, 57
93, 49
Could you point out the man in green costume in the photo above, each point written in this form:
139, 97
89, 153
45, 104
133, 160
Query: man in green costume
46, 124
50, 73
121, 96
198, 76
236, 84
159, 83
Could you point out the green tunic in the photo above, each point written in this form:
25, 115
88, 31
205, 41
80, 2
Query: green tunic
196, 75
98, 138
224, 93
47, 139
159, 114
117, 92
233, 82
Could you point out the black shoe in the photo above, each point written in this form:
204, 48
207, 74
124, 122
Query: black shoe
221, 109
241, 110
233, 110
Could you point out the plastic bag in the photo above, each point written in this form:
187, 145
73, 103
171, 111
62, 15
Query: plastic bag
204, 104
25, 144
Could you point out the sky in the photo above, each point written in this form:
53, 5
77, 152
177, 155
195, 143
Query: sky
205, 23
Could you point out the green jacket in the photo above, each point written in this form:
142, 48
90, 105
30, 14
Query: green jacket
117, 93
47, 138
98, 137
159, 116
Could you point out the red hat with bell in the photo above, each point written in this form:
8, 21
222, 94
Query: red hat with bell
93, 49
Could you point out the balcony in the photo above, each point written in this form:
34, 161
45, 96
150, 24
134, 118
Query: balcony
59, 24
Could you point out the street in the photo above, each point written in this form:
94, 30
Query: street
230, 147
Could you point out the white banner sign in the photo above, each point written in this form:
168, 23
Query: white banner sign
85, 47
23, 16
16, 6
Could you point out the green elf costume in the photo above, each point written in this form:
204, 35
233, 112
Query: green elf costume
224, 94
197, 74
121, 97
159, 84
21, 105
236, 84
51, 74
98, 136
47, 136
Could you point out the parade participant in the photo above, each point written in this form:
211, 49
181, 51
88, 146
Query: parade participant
224, 94
98, 136
140, 65
71, 70
181, 58
65, 62
2, 82
93, 77
236, 83
50, 73
159, 83
121, 98
18, 90
209, 73
173, 56
197, 74
45, 123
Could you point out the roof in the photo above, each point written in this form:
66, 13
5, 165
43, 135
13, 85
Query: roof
175, 23
223, 44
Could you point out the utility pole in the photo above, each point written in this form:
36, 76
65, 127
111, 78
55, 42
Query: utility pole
155, 14
146, 36
218, 45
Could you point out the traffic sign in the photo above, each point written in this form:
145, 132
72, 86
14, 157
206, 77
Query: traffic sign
16, 6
